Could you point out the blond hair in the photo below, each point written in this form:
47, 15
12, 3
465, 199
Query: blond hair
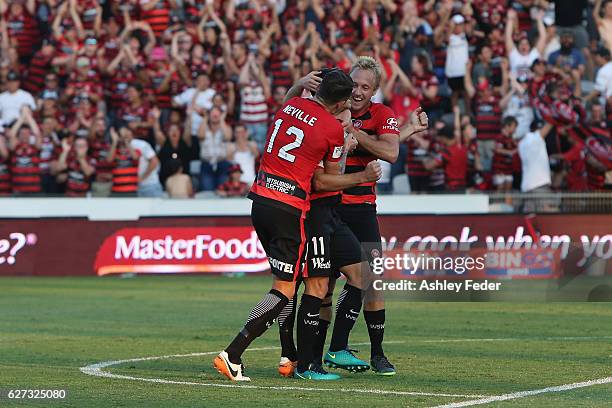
368, 64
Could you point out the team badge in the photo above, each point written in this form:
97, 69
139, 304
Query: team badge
357, 123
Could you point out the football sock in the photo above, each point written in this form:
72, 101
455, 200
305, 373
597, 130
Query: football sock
376, 329
308, 325
347, 312
260, 319
286, 320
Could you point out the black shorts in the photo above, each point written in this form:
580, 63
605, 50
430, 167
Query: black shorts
456, 84
362, 221
331, 243
282, 235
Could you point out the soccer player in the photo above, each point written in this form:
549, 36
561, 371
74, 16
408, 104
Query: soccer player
303, 134
331, 247
375, 127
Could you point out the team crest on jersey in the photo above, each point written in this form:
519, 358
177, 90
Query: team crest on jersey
357, 123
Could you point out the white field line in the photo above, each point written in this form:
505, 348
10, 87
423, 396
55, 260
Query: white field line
574, 338
523, 394
97, 370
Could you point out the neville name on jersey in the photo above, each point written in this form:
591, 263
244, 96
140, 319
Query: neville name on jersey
303, 134
377, 120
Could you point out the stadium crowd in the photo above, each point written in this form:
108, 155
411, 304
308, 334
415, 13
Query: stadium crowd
134, 97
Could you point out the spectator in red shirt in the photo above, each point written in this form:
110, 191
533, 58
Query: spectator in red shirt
452, 157
233, 187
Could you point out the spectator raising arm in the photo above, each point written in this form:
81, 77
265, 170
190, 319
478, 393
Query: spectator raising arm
541, 43
510, 46
25, 118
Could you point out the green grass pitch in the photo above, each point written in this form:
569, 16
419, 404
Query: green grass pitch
50, 327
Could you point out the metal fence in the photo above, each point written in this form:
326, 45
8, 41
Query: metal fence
561, 202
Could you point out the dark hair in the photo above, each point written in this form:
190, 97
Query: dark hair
509, 120
172, 167
424, 61
446, 132
336, 86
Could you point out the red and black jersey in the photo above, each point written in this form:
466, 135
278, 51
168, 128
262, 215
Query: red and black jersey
377, 120
503, 163
345, 32
117, 87
39, 65
25, 169
279, 67
125, 172
488, 117
111, 46
5, 176
89, 85
164, 99
77, 184
414, 158
139, 113
49, 150
524, 17
455, 162
99, 149
24, 30
438, 56
88, 13
303, 134
422, 83
158, 17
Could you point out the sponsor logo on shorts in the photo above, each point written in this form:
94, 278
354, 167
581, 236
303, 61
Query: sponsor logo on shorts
280, 265
319, 263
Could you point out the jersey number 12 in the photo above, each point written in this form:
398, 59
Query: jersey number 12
283, 152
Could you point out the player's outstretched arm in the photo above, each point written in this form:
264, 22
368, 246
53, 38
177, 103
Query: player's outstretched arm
330, 178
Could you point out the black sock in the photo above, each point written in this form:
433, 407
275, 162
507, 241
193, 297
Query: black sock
376, 329
260, 319
347, 312
308, 324
286, 320
319, 344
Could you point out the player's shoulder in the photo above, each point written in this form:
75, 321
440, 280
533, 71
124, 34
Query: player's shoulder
384, 115
381, 110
